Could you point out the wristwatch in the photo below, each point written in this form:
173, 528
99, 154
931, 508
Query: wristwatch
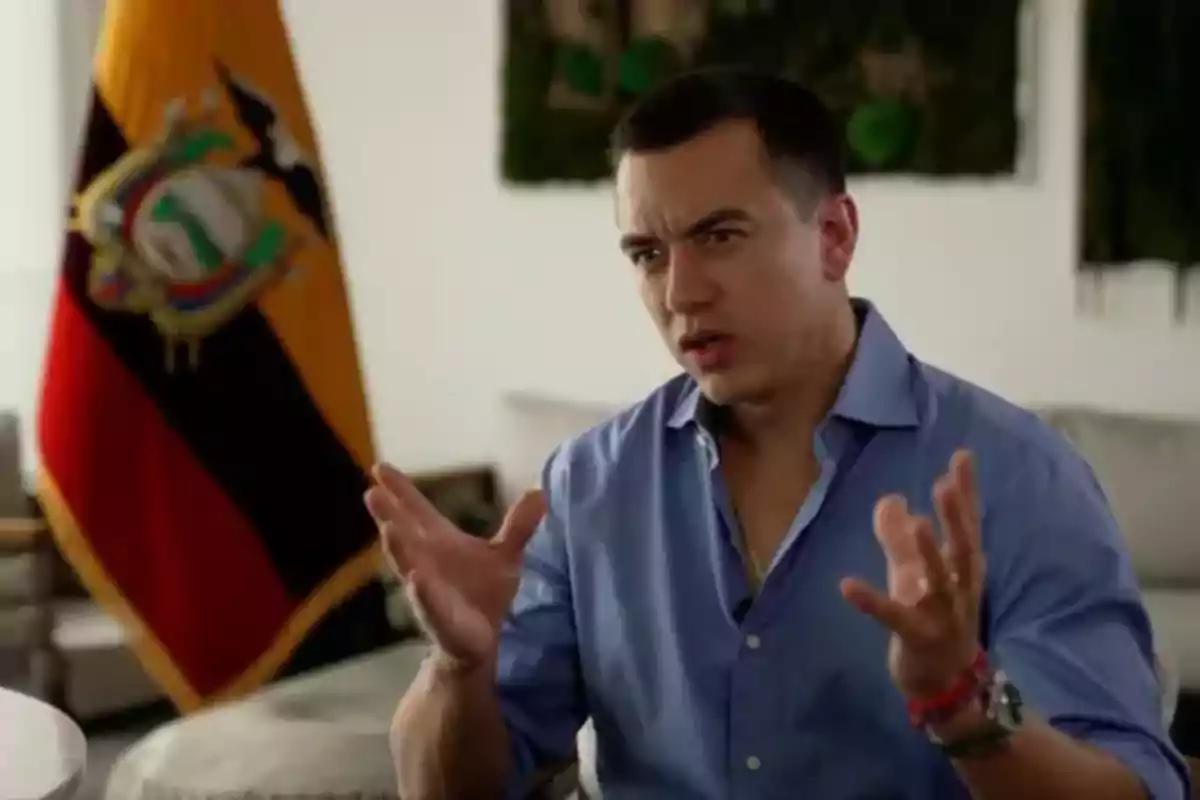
1003, 714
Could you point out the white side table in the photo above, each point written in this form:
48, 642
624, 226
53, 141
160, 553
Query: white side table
42, 751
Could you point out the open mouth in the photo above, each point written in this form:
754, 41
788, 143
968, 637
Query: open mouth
700, 341
707, 351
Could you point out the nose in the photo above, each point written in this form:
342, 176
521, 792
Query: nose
689, 286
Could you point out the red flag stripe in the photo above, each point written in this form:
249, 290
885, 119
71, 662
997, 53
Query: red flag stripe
211, 577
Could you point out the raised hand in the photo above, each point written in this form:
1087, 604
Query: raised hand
460, 586
932, 604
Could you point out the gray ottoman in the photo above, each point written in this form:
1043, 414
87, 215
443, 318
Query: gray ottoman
321, 735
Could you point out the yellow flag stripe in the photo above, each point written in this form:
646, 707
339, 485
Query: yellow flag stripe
154, 53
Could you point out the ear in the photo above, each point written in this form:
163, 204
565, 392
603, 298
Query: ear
837, 216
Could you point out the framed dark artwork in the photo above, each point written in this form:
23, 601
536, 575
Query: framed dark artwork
1141, 166
469, 497
923, 86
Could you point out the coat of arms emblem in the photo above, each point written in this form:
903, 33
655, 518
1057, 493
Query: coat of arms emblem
180, 232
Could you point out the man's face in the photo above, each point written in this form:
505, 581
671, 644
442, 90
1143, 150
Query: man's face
741, 280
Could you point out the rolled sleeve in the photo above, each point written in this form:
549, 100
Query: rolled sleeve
1069, 625
538, 677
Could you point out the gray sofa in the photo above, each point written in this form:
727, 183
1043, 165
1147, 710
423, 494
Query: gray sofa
324, 735
1150, 470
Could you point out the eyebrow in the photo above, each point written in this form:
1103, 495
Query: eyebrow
711, 220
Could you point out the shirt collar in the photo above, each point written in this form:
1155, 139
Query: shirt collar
877, 391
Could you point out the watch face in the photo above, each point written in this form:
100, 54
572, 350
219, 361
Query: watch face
1007, 704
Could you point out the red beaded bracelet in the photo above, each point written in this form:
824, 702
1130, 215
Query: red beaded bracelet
925, 711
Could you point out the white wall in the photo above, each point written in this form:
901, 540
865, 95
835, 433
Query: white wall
33, 175
464, 289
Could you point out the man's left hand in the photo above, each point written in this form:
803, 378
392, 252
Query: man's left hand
934, 592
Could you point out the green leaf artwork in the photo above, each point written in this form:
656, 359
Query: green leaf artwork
883, 132
922, 86
646, 62
581, 68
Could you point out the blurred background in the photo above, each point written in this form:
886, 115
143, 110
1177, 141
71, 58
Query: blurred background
1029, 190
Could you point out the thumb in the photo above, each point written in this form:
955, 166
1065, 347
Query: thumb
520, 522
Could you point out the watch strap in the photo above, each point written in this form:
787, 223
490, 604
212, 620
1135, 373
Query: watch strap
990, 739
1002, 716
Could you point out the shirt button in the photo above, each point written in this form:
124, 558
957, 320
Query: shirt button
752, 763
753, 642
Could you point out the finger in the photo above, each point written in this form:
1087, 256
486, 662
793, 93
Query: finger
962, 467
380, 504
394, 551
520, 522
386, 510
409, 496
951, 527
394, 524
891, 529
960, 525
936, 578
893, 615
959, 548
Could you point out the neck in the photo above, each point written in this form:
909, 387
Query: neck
788, 416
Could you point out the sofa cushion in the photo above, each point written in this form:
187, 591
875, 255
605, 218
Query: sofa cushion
1148, 470
320, 735
1173, 617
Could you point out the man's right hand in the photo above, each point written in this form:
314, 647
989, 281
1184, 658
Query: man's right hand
460, 586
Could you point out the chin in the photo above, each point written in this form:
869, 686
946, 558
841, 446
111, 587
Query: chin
728, 388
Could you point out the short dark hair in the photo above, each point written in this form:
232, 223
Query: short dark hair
796, 128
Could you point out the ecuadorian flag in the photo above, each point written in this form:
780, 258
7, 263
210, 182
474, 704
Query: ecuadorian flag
203, 431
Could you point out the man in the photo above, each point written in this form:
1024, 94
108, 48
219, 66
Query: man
701, 582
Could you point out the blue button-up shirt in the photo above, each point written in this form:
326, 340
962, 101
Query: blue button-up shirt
635, 608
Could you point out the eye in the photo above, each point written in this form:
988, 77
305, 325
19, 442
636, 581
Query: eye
718, 236
645, 257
